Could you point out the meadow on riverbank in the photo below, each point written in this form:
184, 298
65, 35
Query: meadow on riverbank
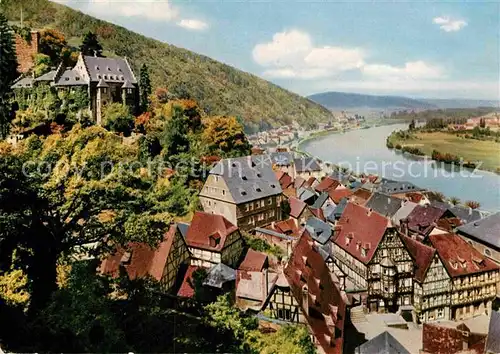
472, 150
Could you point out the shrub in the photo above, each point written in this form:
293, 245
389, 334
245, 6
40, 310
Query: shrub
398, 146
117, 118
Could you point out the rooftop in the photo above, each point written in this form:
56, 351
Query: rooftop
384, 343
254, 261
338, 194
485, 230
306, 164
421, 254
209, 231
384, 204
326, 184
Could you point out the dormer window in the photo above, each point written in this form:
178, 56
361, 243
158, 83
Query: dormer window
109, 69
97, 68
126, 257
244, 178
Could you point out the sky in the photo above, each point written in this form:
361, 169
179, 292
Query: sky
448, 49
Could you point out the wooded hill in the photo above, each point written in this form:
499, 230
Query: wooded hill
220, 89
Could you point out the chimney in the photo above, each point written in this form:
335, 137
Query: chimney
305, 300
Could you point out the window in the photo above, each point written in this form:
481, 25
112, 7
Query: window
223, 192
487, 252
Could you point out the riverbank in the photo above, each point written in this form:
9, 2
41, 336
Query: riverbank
450, 148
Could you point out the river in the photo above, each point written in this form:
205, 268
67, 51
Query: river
364, 150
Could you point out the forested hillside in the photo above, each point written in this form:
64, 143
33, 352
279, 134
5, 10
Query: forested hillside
219, 88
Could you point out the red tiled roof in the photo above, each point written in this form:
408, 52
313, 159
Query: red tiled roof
423, 218
459, 257
326, 308
446, 340
449, 224
299, 182
415, 197
326, 184
254, 261
318, 213
297, 206
422, 255
187, 286
360, 226
285, 179
286, 227
290, 192
209, 231
360, 196
310, 181
279, 174
338, 194
142, 260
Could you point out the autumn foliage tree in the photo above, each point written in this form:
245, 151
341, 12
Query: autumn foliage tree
225, 136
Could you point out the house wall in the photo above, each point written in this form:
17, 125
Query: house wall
26, 51
283, 306
284, 244
488, 251
204, 258
390, 287
231, 253
178, 255
432, 298
354, 270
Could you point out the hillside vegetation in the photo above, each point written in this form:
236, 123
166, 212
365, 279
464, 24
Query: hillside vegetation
219, 88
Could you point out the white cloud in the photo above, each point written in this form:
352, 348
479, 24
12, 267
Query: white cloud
156, 10
410, 71
292, 54
192, 24
153, 10
448, 24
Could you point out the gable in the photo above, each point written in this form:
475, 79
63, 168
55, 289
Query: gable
436, 263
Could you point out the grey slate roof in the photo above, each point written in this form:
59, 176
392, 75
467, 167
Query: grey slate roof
305, 193
248, 178
281, 158
493, 339
306, 164
23, 83
486, 230
70, 77
394, 187
102, 83
403, 212
127, 85
328, 211
322, 198
319, 230
384, 343
339, 209
384, 204
218, 275
47, 77
109, 69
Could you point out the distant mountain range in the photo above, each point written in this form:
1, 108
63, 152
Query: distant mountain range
344, 101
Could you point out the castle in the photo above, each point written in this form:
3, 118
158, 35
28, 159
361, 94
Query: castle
107, 80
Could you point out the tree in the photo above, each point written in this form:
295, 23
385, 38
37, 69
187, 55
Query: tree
225, 136
472, 204
145, 87
70, 191
42, 64
454, 200
8, 73
90, 45
175, 139
117, 118
52, 43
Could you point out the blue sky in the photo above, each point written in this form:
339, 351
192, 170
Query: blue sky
435, 49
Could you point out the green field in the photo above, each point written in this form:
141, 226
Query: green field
469, 149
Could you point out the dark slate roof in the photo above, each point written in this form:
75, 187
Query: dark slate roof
486, 230
50, 76
248, 178
22, 83
281, 158
70, 77
384, 204
384, 343
321, 200
127, 85
329, 211
306, 164
466, 214
395, 187
218, 275
183, 228
102, 83
109, 69
339, 209
319, 230
493, 340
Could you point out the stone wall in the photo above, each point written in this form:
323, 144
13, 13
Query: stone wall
26, 50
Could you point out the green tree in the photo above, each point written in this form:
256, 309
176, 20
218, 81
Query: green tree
117, 118
145, 87
454, 200
175, 136
90, 45
42, 64
52, 43
66, 192
225, 136
8, 73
